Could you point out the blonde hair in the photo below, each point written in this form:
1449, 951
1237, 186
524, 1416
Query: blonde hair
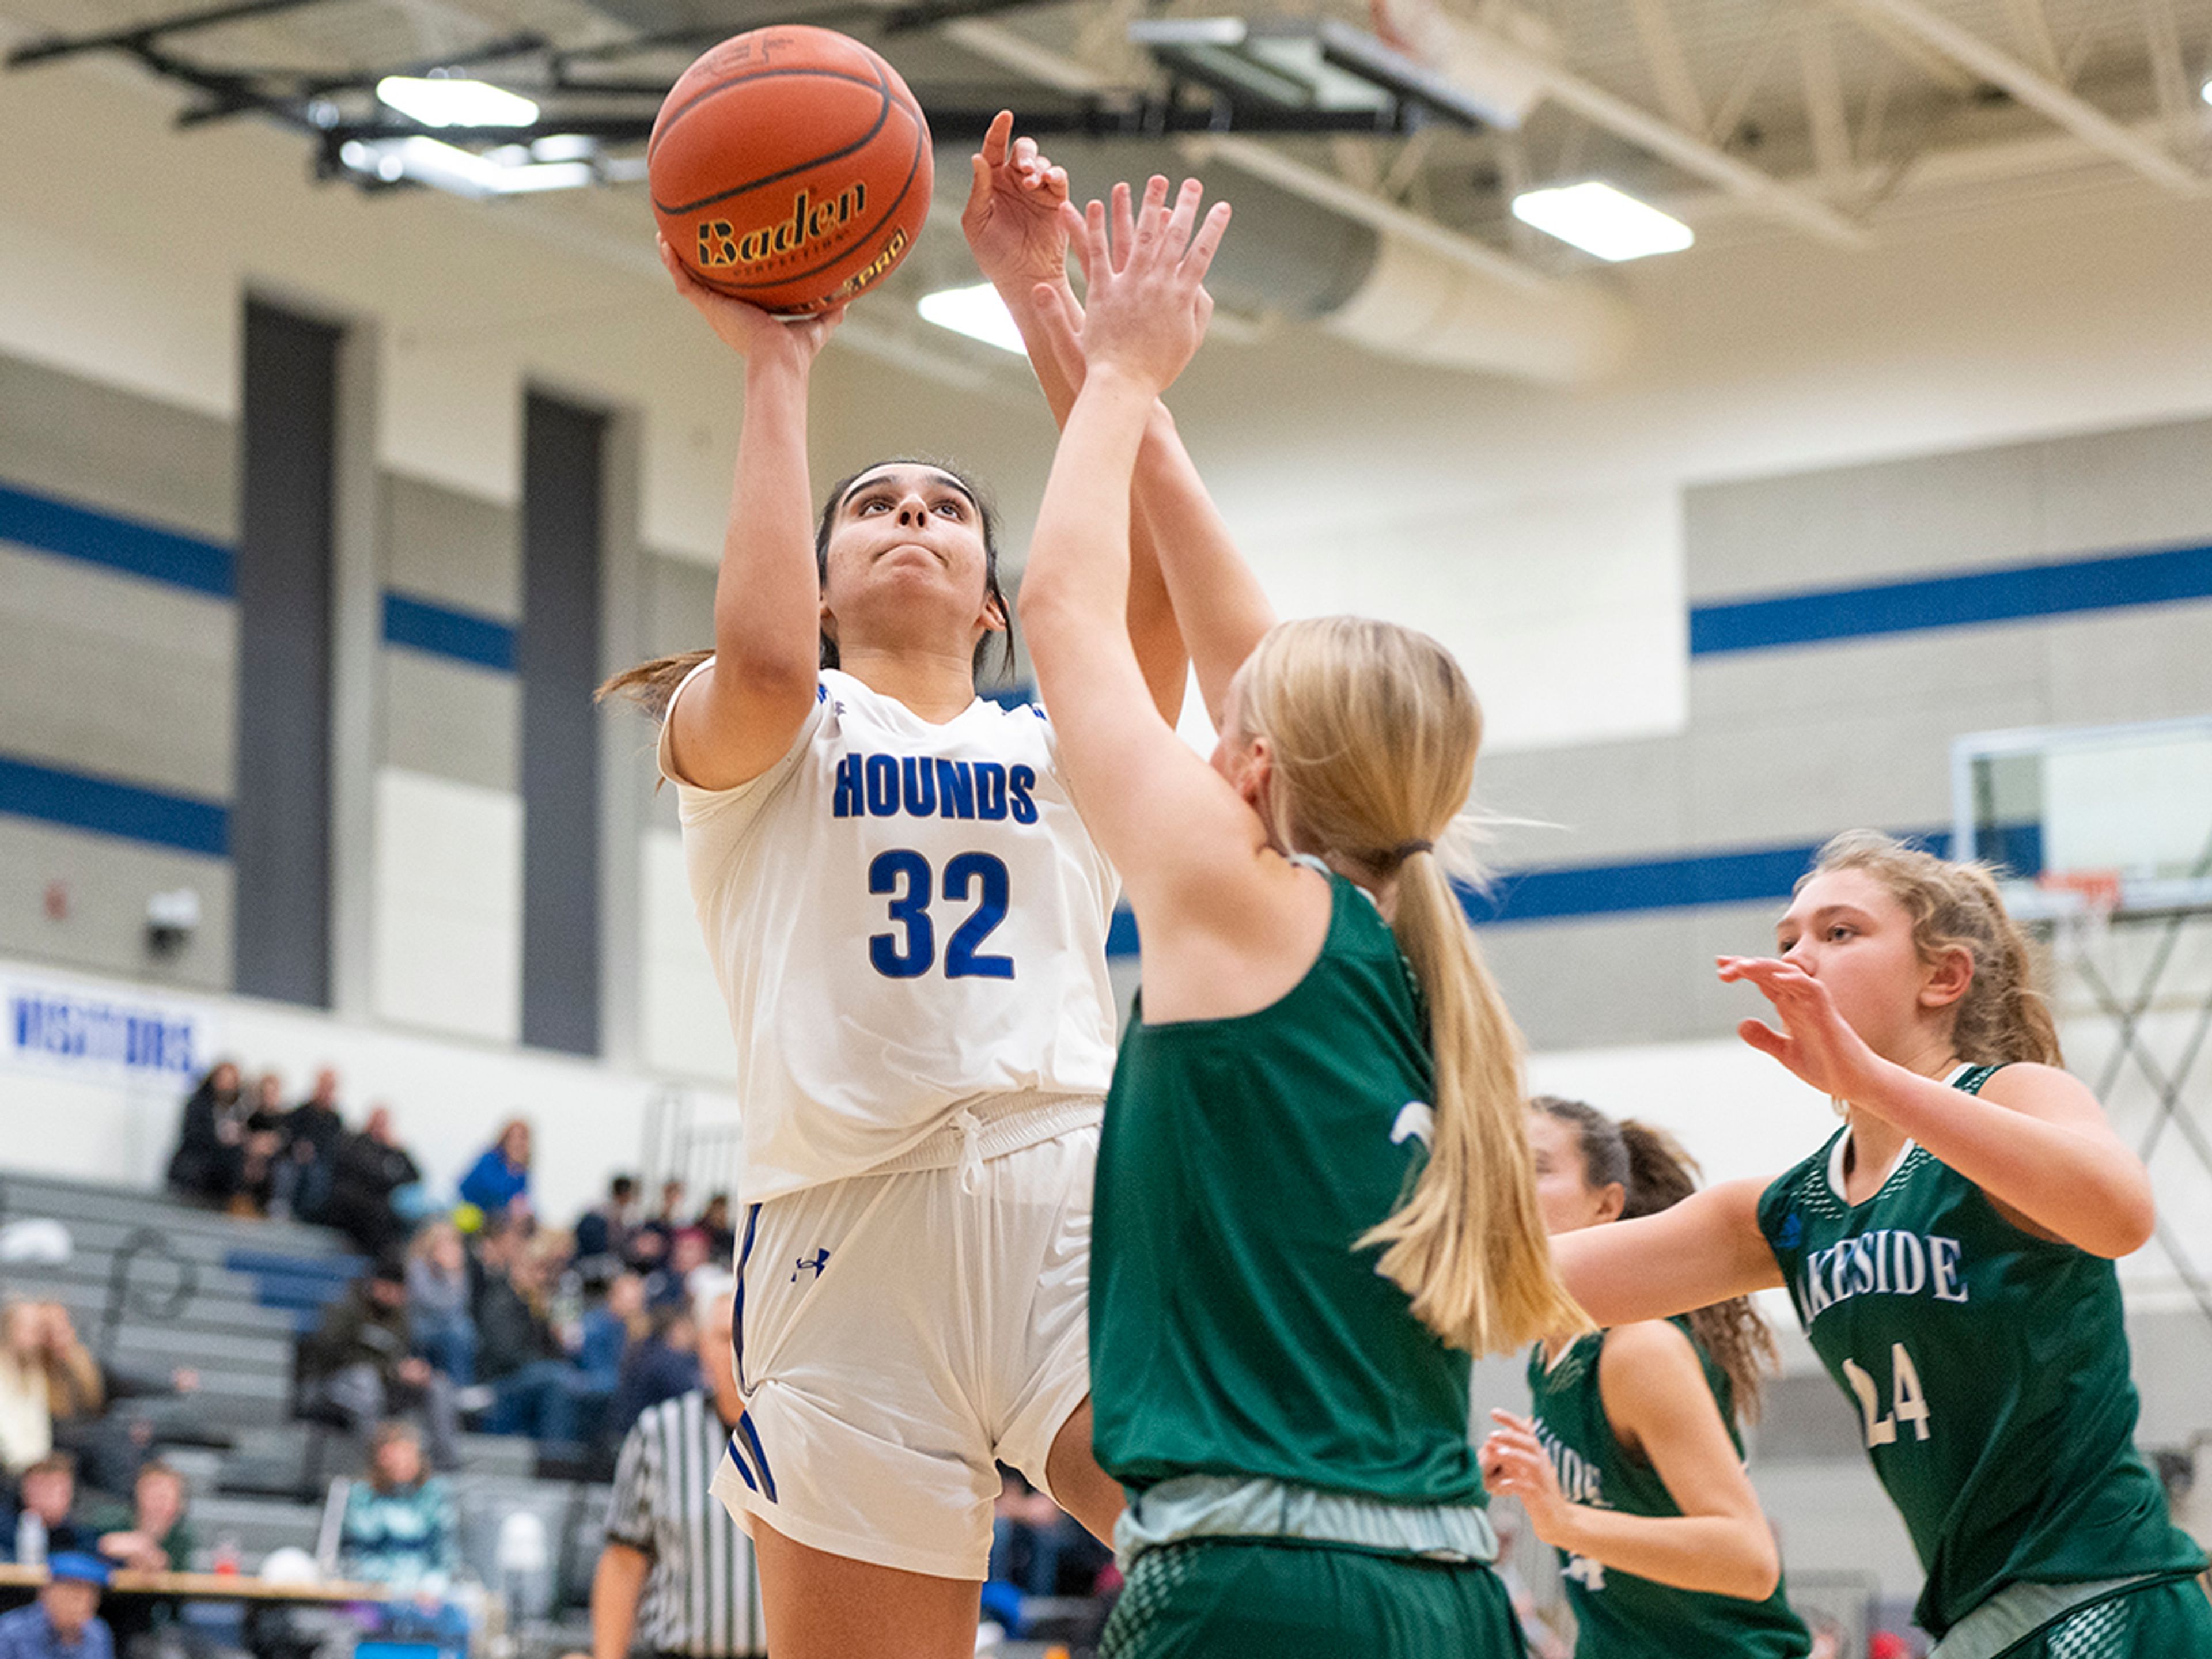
1372, 730
2001, 1018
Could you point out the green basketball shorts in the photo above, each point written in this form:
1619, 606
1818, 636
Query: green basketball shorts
1227, 1598
2169, 1620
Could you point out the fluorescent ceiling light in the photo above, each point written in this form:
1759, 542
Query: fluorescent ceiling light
976, 312
2205, 92
507, 171
1598, 219
438, 101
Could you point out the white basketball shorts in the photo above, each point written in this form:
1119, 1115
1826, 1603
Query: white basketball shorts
901, 1333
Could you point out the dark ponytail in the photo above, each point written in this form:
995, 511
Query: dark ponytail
1655, 1173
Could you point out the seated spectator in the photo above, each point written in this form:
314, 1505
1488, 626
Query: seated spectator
535, 1390
661, 1366
64, 1622
721, 1237
438, 1297
608, 1331
209, 1164
400, 1527
1037, 1546
650, 1244
496, 1179
360, 1362
602, 1232
43, 1523
112, 1447
368, 1169
305, 1169
265, 1147
45, 1375
678, 1278
151, 1535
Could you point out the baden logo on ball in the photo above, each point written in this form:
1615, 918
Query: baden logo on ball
790, 167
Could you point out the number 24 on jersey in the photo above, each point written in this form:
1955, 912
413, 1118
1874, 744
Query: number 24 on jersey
1908, 1402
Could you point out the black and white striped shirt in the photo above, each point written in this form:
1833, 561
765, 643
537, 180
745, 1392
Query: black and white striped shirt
702, 1596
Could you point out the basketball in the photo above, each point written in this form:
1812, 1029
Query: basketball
790, 167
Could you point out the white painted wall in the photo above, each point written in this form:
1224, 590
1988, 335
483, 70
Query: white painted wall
447, 920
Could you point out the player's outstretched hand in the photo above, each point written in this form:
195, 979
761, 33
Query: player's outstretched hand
1012, 220
1514, 1461
1145, 306
1815, 1041
754, 335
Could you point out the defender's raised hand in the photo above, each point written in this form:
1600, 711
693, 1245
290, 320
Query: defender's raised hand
1013, 221
1145, 306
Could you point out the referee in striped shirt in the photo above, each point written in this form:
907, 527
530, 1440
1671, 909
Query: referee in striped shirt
676, 1577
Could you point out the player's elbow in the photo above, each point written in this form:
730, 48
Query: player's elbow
1758, 1570
2125, 1222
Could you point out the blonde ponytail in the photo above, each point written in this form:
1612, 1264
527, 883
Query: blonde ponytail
1372, 731
1468, 1245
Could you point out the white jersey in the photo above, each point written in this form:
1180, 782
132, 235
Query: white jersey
902, 917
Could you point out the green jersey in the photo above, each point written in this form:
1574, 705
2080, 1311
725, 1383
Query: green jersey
1617, 1614
1990, 1370
1234, 1327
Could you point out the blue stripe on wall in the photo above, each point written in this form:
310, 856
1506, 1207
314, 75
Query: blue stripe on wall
142, 549
444, 631
2009, 593
80, 801
1744, 876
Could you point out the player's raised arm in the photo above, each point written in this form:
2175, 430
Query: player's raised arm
1145, 318
746, 711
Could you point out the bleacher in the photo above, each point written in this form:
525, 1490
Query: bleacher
153, 1285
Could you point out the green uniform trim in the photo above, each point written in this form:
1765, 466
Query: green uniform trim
1618, 1616
1235, 1330
1991, 1371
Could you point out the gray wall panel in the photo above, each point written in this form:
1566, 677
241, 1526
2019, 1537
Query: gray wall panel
107, 881
113, 675
2131, 666
2142, 487
451, 719
1591, 981
443, 545
1864, 523
65, 436
1591, 802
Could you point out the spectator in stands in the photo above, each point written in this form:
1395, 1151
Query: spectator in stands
664, 1364
721, 1237
153, 1535
438, 1297
369, 1168
608, 1331
360, 1363
496, 1179
64, 1622
650, 1246
1035, 1545
45, 1375
209, 1165
44, 1521
667, 1540
265, 1147
112, 1447
673, 1285
312, 1133
535, 1390
602, 1232
400, 1527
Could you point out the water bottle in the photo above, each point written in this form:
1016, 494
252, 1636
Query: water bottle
30, 1540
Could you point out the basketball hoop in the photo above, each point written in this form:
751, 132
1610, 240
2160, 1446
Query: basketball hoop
2082, 902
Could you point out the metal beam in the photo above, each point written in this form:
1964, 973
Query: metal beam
2039, 93
1692, 153
1670, 69
1825, 111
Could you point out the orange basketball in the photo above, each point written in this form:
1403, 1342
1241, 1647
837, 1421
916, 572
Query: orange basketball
790, 167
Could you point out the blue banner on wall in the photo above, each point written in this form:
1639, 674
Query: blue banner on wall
88, 1033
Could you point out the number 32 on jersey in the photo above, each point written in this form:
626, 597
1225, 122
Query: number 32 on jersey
904, 877
1908, 1402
